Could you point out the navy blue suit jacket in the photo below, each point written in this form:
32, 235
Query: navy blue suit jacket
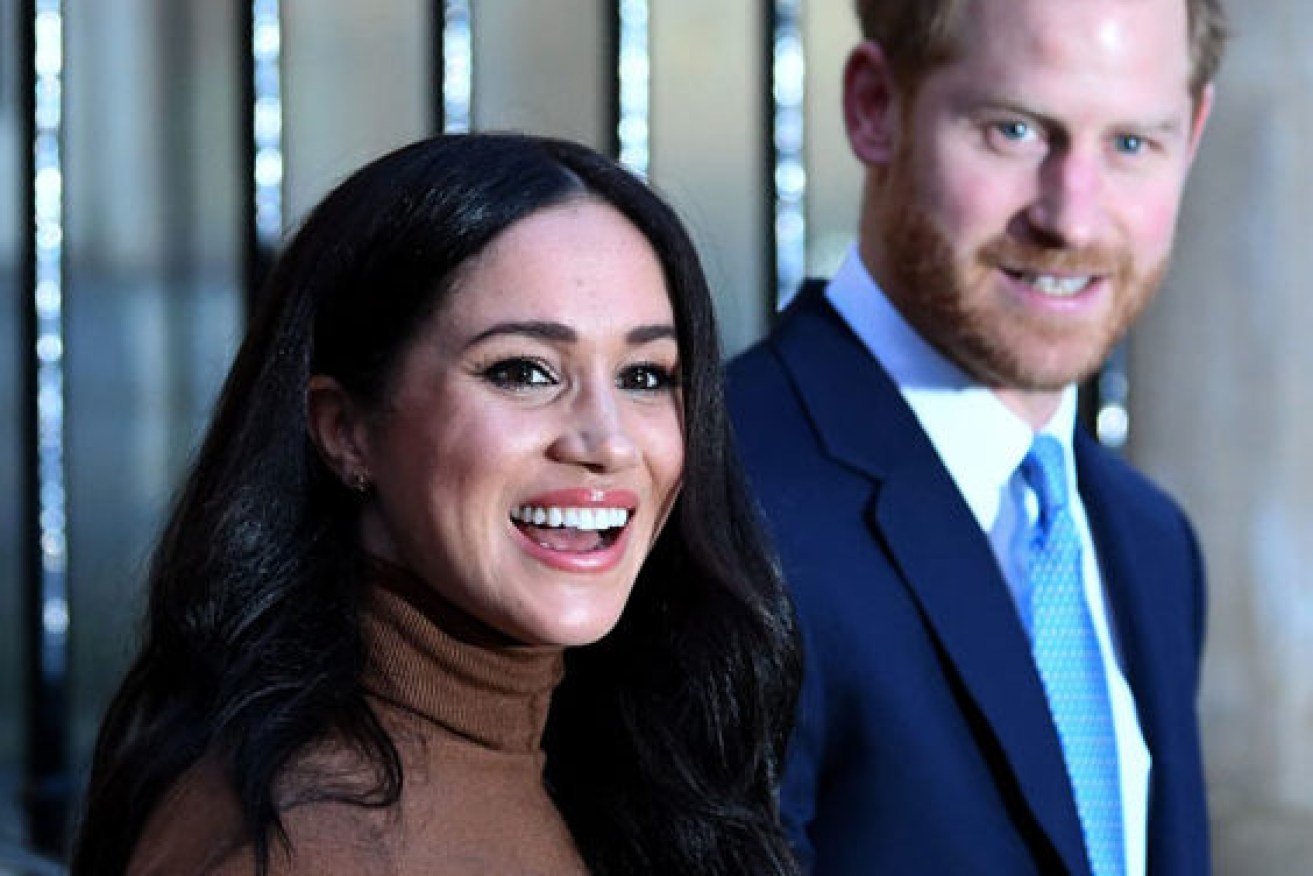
924, 742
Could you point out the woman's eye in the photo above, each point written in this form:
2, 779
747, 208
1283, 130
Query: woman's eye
647, 378
518, 374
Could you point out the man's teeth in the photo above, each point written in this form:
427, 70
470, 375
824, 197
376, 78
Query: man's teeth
1048, 284
588, 519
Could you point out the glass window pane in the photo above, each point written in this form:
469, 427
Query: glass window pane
707, 154
834, 176
543, 67
152, 308
11, 635
340, 113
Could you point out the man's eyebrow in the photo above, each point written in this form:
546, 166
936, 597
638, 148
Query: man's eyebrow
546, 330
1166, 124
990, 103
1163, 126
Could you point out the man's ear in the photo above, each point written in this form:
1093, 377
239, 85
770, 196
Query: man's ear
337, 428
870, 105
1202, 110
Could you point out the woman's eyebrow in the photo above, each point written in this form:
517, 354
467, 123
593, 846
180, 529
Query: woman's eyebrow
554, 331
541, 329
645, 333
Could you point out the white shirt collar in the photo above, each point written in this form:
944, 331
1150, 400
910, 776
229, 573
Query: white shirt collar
980, 441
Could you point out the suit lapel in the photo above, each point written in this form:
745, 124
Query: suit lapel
1133, 580
1128, 583
922, 522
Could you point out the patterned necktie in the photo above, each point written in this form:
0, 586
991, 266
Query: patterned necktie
1067, 655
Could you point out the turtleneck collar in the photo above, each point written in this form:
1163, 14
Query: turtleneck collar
430, 658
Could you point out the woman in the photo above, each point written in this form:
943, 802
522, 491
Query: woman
478, 422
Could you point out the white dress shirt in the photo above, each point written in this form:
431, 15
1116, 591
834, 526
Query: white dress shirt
982, 443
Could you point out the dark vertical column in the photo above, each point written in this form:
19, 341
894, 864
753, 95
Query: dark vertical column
786, 168
633, 90
453, 65
611, 53
437, 64
262, 135
47, 784
1105, 401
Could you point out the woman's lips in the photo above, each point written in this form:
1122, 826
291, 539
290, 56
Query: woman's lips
576, 530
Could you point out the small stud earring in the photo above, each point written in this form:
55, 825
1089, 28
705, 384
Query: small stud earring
360, 482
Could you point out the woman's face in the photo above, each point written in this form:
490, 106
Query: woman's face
531, 444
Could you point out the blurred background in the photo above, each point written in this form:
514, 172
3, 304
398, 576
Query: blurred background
152, 152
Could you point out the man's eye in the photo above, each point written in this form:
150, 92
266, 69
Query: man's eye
518, 374
1013, 130
646, 378
1130, 144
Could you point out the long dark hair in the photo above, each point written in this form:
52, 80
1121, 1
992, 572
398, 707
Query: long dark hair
664, 741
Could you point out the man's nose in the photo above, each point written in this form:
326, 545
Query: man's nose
595, 434
1068, 207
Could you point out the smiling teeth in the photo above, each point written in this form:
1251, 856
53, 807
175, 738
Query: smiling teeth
1049, 284
587, 519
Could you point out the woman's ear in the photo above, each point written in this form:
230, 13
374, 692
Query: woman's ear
338, 428
870, 105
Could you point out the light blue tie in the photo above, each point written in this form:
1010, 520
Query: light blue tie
1067, 655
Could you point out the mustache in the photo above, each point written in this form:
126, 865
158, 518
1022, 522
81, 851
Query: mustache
1021, 256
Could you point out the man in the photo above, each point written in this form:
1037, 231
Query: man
1003, 621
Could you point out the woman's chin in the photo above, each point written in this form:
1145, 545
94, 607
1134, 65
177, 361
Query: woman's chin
571, 627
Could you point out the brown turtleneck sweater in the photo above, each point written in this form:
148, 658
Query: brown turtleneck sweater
466, 712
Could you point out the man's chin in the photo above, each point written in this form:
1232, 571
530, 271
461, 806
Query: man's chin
1034, 372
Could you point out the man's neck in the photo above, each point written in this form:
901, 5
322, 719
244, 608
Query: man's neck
1036, 407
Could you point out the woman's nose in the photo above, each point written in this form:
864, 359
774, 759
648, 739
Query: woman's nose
594, 432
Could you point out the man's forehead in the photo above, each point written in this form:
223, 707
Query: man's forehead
1098, 35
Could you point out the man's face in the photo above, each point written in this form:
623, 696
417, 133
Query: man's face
1028, 210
